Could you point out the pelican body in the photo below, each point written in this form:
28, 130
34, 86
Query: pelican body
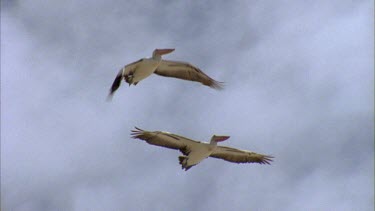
134, 72
144, 67
194, 151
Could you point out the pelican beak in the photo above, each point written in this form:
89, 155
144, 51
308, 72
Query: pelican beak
221, 138
164, 51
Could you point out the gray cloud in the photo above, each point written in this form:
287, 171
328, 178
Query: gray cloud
299, 86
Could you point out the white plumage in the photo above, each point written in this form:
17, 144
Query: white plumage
134, 72
194, 151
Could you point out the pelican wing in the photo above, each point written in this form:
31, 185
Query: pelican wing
186, 71
240, 156
120, 75
165, 139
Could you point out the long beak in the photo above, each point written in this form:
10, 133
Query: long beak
164, 51
221, 138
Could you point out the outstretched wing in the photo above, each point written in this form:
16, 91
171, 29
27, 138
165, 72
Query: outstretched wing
240, 156
186, 71
164, 139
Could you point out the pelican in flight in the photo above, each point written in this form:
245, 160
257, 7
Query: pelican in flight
134, 72
194, 151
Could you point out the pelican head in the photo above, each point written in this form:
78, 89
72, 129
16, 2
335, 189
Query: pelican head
159, 52
216, 139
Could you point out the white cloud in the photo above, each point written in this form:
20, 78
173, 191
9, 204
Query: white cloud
298, 79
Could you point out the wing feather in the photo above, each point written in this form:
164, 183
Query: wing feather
240, 156
164, 139
186, 71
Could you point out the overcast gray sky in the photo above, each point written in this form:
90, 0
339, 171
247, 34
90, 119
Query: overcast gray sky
299, 86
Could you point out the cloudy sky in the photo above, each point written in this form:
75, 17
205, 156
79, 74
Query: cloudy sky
298, 85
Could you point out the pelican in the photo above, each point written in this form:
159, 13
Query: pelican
134, 72
194, 151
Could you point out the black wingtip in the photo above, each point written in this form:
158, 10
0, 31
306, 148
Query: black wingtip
115, 85
217, 85
267, 159
139, 129
135, 133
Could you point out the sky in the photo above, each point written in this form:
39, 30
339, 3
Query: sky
299, 85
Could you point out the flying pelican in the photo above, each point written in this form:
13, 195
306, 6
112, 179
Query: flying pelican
134, 72
194, 151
